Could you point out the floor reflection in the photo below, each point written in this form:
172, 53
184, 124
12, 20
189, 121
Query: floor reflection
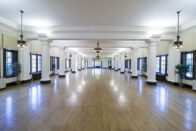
188, 114
140, 86
121, 99
56, 86
9, 110
35, 96
162, 98
97, 73
67, 80
72, 100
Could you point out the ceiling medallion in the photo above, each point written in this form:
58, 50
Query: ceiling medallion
21, 43
178, 44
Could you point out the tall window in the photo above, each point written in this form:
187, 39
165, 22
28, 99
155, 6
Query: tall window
39, 63
129, 63
9, 63
142, 64
158, 64
189, 61
9, 58
54, 61
35, 63
126, 63
161, 64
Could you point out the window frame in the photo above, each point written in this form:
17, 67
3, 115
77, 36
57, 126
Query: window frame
14, 59
52, 61
140, 62
160, 64
36, 63
184, 61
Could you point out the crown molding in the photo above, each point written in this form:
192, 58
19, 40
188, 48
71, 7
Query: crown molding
8, 23
189, 25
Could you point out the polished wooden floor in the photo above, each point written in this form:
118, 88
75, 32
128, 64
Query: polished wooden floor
97, 100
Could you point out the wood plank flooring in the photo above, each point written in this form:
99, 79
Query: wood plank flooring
97, 100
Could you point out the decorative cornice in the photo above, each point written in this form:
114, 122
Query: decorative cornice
8, 23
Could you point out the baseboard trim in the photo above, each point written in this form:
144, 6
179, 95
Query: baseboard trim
134, 76
61, 76
151, 83
173, 83
45, 81
25, 81
10, 84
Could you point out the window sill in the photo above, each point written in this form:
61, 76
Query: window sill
9, 76
188, 78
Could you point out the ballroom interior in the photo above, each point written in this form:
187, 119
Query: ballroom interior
104, 65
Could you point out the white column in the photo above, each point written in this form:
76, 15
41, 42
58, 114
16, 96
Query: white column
83, 63
151, 68
116, 63
113, 63
173, 60
45, 78
73, 62
24, 61
79, 62
61, 62
134, 63
119, 62
122, 59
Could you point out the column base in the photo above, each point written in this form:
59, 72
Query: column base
61, 76
73, 71
151, 82
122, 72
25, 81
134, 77
45, 81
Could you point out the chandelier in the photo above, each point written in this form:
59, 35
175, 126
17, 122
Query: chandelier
97, 56
178, 44
70, 55
97, 49
21, 42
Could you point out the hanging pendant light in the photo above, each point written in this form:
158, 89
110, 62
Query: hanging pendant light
97, 49
97, 56
21, 42
70, 55
178, 43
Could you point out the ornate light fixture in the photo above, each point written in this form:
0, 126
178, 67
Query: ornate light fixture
70, 55
21, 42
97, 56
178, 43
97, 49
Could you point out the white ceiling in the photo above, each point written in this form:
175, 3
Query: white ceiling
98, 12
110, 47
93, 20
